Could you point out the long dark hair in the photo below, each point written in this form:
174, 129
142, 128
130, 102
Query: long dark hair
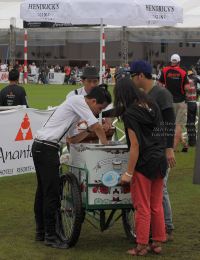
127, 93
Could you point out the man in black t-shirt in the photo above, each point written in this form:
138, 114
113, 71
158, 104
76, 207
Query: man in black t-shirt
13, 95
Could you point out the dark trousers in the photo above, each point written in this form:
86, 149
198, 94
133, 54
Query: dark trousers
191, 128
47, 197
67, 78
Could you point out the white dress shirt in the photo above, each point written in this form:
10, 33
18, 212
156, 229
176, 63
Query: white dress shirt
81, 91
33, 70
63, 121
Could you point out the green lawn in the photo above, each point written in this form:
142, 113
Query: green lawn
17, 220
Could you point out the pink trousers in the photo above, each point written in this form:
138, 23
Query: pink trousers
147, 201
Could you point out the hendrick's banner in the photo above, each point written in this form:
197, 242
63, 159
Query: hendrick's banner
54, 25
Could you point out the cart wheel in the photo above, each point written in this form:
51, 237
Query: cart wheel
128, 223
71, 209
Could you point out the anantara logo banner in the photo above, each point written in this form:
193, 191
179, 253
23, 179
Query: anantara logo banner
18, 128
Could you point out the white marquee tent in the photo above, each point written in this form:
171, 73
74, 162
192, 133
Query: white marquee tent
11, 8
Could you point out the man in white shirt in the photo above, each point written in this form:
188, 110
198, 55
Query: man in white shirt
3, 67
90, 79
61, 124
33, 69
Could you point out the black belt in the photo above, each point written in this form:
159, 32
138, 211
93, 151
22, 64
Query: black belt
47, 143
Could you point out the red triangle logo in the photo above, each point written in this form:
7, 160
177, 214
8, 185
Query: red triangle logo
20, 135
29, 135
25, 125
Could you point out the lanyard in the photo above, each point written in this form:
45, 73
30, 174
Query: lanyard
152, 85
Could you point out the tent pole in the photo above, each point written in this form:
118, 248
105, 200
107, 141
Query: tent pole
101, 45
25, 56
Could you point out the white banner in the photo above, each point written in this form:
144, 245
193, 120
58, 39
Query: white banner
32, 78
56, 78
109, 12
18, 128
4, 77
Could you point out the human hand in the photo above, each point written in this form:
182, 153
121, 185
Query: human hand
106, 127
124, 179
170, 158
68, 140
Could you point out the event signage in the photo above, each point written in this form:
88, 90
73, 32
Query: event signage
4, 77
53, 25
157, 13
56, 78
112, 12
18, 128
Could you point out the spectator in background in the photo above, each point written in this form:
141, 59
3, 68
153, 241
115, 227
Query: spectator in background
13, 95
67, 74
107, 68
10, 67
176, 81
3, 67
33, 69
191, 110
51, 69
46, 75
87, 65
72, 79
127, 71
154, 71
41, 77
16, 66
57, 68
158, 67
108, 77
20, 68
29, 69
194, 71
117, 73
76, 71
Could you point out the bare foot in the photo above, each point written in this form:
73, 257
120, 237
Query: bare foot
137, 251
154, 248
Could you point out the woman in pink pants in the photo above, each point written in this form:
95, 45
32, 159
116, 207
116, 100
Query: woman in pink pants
147, 163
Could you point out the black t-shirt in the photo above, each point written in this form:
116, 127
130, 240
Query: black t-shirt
147, 125
13, 95
164, 100
174, 80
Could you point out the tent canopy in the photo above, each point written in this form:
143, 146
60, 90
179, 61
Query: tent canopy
11, 8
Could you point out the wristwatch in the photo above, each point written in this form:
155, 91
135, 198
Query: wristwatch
90, 132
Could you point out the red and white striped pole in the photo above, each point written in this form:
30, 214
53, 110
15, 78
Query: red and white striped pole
103, 55
25, 56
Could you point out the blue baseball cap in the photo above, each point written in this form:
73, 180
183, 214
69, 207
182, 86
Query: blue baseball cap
140, 66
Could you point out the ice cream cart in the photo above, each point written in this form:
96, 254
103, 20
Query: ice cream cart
90, 187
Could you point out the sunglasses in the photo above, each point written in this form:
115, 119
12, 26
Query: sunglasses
133, 75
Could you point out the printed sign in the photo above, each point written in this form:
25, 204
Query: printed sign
18, 127
4, 77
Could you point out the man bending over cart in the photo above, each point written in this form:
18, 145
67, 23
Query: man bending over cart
61, 124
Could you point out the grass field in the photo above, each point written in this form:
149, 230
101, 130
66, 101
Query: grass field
17, 225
